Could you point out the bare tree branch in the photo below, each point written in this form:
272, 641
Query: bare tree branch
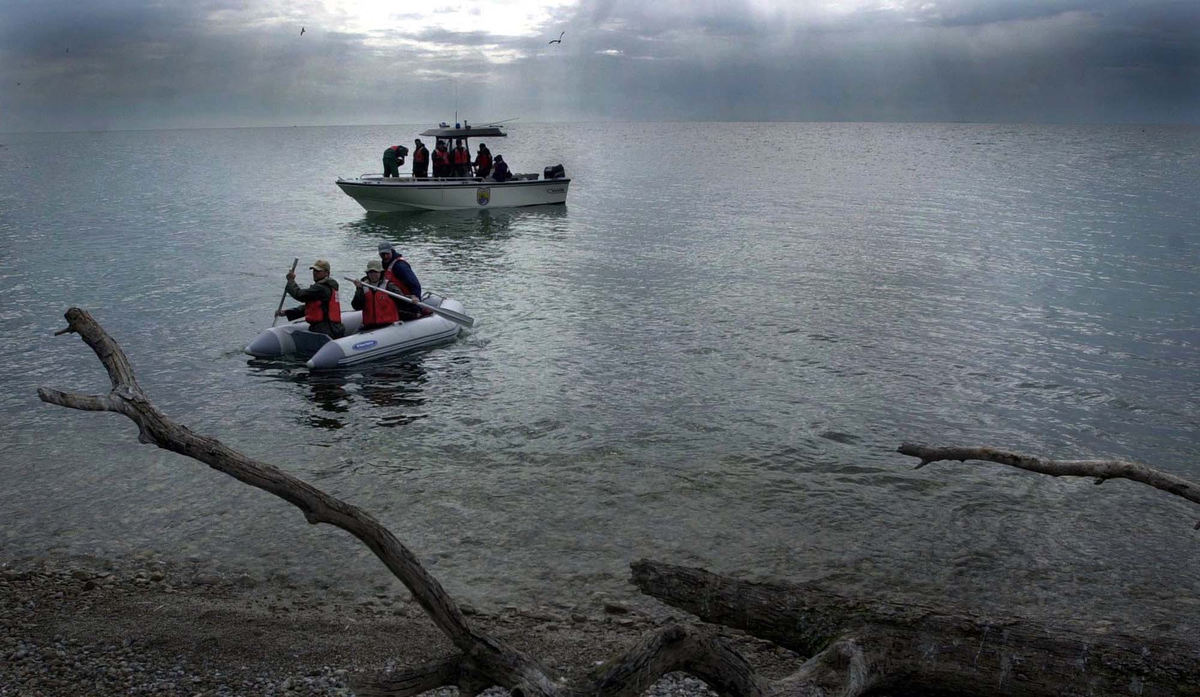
678, 648
485, 660
855, 648
501, 663
1101, 470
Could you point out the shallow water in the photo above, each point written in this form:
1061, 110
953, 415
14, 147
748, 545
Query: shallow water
708, 356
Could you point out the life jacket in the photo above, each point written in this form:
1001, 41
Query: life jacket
394, 279
483, 161
421, 156
379, 307
323, 310
461, 156
441, 157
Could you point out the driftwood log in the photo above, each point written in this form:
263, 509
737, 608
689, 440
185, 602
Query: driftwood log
1100, 470
894, 647
856, 647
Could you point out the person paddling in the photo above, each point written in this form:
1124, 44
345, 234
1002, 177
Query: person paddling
321, 308
378, 309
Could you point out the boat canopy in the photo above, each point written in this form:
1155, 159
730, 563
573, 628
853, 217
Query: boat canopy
465, 132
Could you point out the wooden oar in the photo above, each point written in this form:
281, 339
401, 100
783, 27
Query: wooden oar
456, 317
284, 297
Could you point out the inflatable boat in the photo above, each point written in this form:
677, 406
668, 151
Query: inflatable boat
320, 352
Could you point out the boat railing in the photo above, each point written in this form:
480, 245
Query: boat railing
376, 176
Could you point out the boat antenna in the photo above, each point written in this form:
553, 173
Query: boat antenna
497, 123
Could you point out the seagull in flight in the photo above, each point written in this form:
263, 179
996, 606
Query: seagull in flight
301, 31
558, 40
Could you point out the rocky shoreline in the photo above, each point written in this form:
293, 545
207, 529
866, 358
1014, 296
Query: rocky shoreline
78, 626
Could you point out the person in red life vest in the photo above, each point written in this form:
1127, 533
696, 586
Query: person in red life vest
378, 309
393, 157
441, 160
321, 308
420, 160
501, 174
460, 158
398, 272
483, 161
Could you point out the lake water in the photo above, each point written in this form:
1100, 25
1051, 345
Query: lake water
708, 356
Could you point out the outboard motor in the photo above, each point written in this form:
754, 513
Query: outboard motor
554, 172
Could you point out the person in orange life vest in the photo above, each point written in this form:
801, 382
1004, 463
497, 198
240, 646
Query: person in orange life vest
321, 308
393, 157
398, 272
483, 161
420, 160
460, 158
501, 174
379, 309
441, 160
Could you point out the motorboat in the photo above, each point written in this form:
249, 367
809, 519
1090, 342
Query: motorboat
379, 194
320, 352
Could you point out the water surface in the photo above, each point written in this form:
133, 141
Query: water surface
708, 356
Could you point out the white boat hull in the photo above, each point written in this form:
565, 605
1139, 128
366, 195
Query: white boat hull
380, 195
293, 340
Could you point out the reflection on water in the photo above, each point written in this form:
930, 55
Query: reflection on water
663, 371
389, 393
462, 242
460, 226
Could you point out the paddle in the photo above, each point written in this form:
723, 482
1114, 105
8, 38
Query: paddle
456, 317
284, 297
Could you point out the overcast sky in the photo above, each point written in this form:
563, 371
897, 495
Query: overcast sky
132, 64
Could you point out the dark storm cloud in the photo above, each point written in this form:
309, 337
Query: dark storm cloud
122, 64
1025, 61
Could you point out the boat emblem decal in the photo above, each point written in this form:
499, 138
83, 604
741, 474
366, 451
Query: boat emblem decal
365, 344
483, 195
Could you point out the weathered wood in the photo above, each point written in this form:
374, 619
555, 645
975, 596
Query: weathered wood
485, 660
677, 648
503, 664
405, 683
856, 647
913, 646
1100, 470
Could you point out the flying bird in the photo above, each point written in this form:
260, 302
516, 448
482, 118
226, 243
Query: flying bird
558, 40
301, 31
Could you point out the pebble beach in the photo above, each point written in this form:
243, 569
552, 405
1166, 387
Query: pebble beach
83, 626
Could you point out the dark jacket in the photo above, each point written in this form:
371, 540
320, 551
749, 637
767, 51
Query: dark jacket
395, 154
404, 273
501, 173
322, 291
401, 270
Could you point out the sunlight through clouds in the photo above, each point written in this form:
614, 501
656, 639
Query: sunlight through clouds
513, 18
143, 63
